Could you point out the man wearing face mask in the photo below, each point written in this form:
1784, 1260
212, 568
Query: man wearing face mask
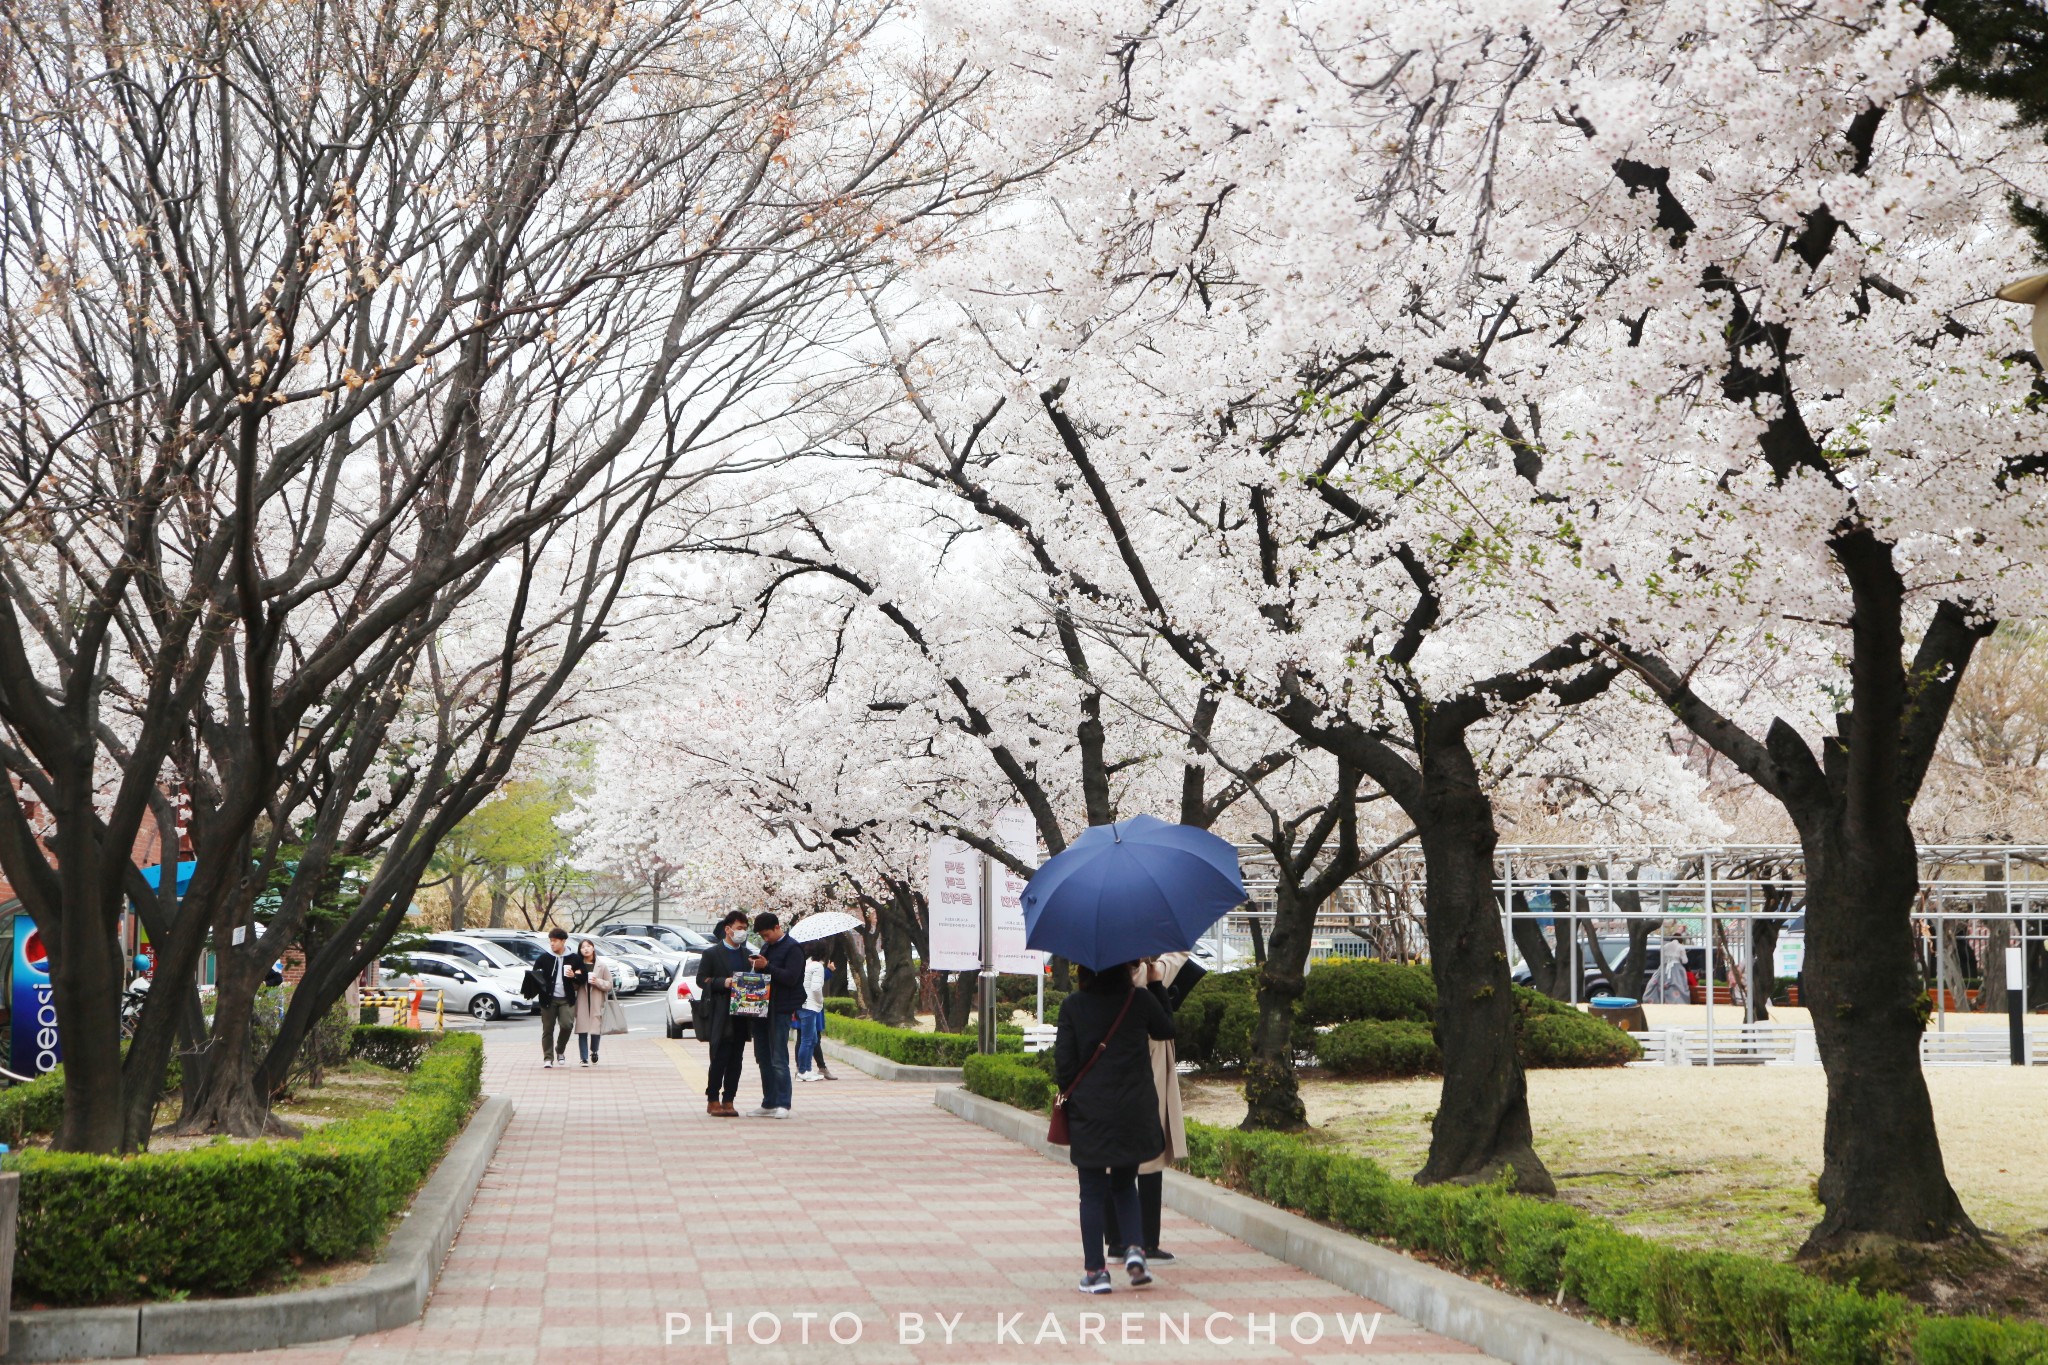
715, 970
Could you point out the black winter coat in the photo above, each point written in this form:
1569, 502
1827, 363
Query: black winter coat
720, 963
1113, 1115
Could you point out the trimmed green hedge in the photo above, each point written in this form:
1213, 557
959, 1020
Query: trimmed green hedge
35, 1106
843, 1005
389, 1045
1730, 1307
99, 1229
1372, 1047
1339, 990
1023, 1080
1378, 1006
912, 1048
1550, 1033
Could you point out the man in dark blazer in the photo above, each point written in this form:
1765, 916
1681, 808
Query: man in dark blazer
727, 1035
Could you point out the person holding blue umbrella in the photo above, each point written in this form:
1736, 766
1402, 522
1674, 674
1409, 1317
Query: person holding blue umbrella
1102, 1058
1119, 894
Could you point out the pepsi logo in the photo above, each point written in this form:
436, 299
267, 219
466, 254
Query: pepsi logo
34, 953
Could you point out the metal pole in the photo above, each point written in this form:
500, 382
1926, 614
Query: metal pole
2015, 1001
985, 992
1940, 973
1707, 878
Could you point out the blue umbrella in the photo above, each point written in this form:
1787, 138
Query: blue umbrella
1134, 889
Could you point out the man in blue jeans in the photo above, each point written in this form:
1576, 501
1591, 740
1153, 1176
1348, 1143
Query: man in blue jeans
782, 958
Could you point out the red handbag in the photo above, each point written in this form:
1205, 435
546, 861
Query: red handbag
1056, 1131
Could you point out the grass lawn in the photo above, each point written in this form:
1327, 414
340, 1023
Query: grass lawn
1717, 1159
353, 1088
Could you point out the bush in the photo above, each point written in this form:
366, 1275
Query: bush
96, 1229
1340, 990
1020, 1080
35, 1106
1200, 1016
911, 1047
1730, 1307
389, 1045
1980, 1341
325, 1046
1550, 1033
1368, 1047
844, 1005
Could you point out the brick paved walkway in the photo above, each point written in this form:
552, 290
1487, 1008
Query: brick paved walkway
615, 1202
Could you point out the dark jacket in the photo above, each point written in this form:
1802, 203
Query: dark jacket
545, 968
785, 974
718, 963
1113, 1115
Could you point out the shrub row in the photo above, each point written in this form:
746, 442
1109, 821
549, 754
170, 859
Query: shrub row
912, 1048
393, 1046
33, 1107
1024, 1080
98, 1229
1725, 1306
842, 1004
1382, 1012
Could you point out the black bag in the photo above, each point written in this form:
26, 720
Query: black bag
529, 985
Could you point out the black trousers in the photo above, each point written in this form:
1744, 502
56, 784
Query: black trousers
1102, 1186
1151, 1188
728, 1055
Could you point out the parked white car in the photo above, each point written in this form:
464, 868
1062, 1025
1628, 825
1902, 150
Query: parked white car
527, 946
461, 987
682, 1002
481, 956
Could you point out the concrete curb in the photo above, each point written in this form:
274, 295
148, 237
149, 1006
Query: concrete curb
1499, 1324
392, 1294
882, 1069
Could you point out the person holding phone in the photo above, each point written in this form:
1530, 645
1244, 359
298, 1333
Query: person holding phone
781, 958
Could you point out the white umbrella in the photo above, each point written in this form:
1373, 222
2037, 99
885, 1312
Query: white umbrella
824, 924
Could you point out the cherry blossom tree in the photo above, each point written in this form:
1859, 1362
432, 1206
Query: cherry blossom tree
295, 368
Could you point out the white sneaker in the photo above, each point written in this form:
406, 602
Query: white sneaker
778, 1113
547, 1064
762, 1112
805, 1076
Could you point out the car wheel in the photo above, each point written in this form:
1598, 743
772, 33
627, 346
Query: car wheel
675, 1030
484, 1008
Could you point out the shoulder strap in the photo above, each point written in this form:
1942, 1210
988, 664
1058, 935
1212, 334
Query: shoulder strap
1100, 1047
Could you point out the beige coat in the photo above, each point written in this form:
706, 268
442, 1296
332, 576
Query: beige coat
590, 1000
1166, 1080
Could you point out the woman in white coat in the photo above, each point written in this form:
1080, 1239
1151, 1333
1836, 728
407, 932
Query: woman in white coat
590, 981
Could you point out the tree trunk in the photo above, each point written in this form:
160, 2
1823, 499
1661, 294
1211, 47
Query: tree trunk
1482, 1125
85, 989
1272, 1094
499, 898
895, 1002
458, 902
1544, 955
228, 1100
1882, 1175
1998, 937
1763, 967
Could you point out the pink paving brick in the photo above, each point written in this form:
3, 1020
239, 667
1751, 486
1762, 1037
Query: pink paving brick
870, 1210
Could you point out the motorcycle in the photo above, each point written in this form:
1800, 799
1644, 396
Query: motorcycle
131, 1005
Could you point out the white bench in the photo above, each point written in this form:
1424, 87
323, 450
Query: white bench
1039, 1037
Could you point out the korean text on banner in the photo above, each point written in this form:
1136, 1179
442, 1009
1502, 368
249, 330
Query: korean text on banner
1016, 832
953, 898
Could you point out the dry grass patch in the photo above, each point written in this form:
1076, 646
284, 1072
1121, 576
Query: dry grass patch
1714, 1159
